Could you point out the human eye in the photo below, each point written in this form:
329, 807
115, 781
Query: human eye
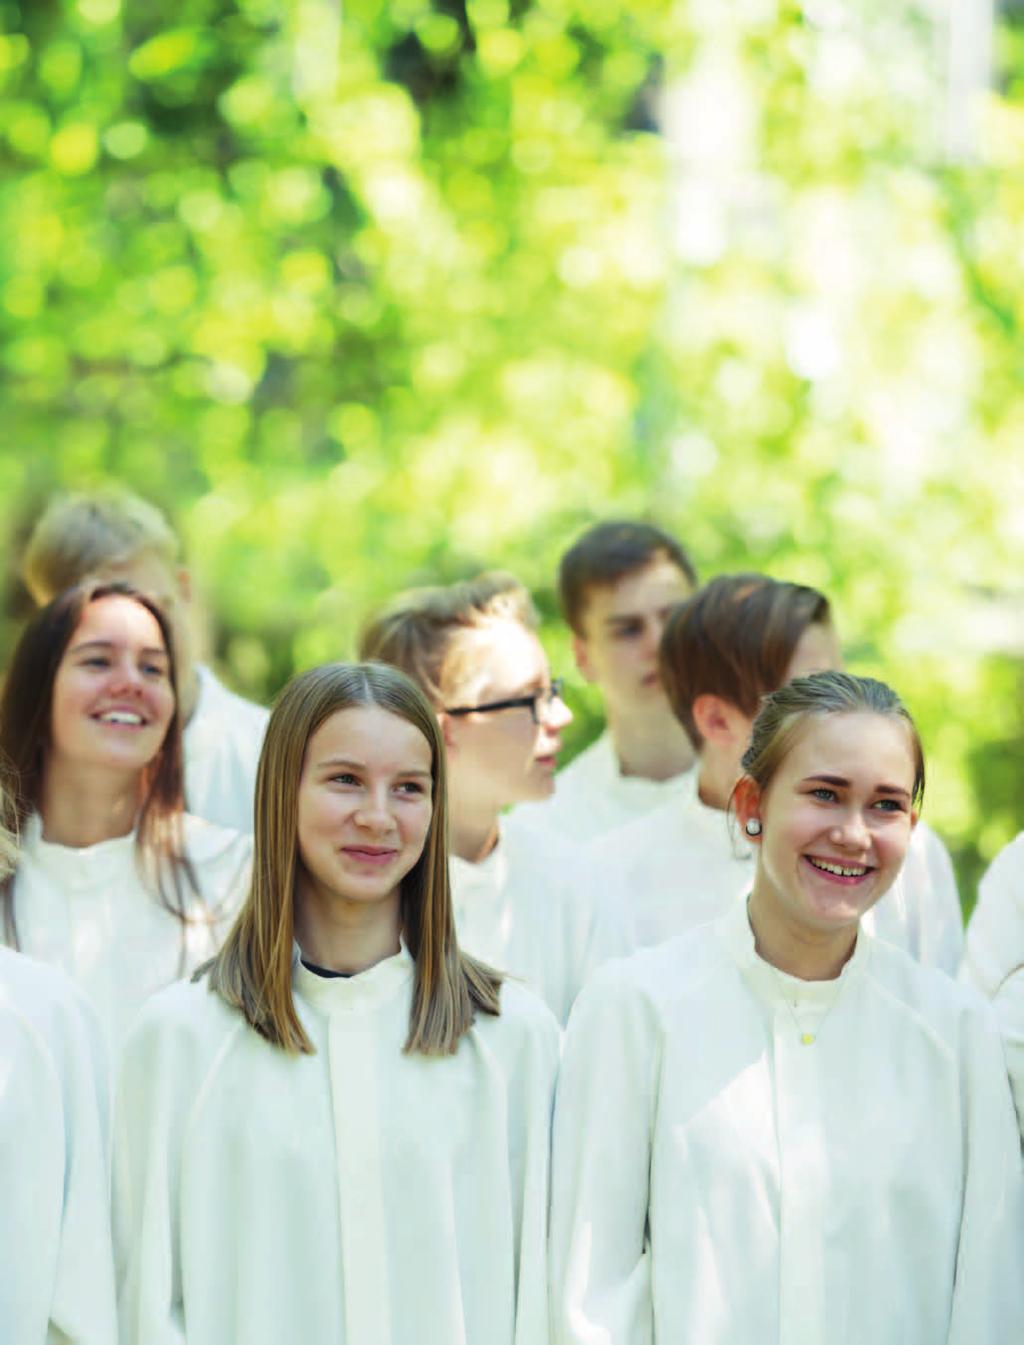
154, 669
889, 806
345, 778
628, 630
823, 794
95, 661
411, 788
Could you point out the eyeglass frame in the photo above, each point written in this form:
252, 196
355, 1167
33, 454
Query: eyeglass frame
532, 701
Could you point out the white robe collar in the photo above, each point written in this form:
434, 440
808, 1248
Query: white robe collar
365, 992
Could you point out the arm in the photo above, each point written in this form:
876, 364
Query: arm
531, 1088
600, 1261
988, 1289
157, 1085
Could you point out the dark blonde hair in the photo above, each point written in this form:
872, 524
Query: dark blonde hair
253, 971
735, 639
82, 534
421, 632
26, 713
785, 712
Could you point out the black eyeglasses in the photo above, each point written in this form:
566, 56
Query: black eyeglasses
535, 700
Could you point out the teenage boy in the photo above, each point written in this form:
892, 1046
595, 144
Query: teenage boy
112, 535
617, 585
741, 637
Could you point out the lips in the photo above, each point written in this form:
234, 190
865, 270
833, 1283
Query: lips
837, 871
374, 856
123, 718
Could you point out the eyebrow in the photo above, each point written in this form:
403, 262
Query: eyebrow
361, 766
843, 783
110, 644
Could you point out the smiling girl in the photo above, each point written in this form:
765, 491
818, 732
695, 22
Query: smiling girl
114, 883
340, 1133
776, 1128
523, 900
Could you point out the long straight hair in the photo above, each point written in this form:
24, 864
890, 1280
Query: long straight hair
26, 720
253, 971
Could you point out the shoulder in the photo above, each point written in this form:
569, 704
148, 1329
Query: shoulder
206, 843
216, 699
39, 993
184, 1021
947, 1010
525, 1025
652, 981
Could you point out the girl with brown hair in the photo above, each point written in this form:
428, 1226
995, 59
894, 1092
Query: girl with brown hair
114, 882
340, 1131
776, 1127
56, 1271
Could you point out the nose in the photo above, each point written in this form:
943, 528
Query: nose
126, 676
852, 831
555, 714
373, 812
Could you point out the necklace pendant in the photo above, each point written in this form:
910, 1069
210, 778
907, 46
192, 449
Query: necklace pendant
807, 1038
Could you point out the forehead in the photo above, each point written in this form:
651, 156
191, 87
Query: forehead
500, 655
372, 735
147, 571
817, 650
655, 586
866, 748
119, 620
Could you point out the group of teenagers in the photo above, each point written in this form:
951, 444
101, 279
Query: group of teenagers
355, 1022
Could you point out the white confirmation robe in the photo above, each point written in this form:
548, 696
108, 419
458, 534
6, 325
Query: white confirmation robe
683, 864
56, 1268
89, 911
536, 909
718, 1181
994, 960
221, 746
358, 1196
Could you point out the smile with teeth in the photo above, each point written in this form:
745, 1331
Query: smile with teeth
128, 717
839, 870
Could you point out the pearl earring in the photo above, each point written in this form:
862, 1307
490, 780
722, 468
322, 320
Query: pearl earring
752, 826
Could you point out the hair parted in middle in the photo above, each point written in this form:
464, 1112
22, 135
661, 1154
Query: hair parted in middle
253, 971
26, 714
735, 638
423, 631
785, 712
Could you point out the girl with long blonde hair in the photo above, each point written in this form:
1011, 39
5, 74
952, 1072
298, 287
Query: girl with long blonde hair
339, 1132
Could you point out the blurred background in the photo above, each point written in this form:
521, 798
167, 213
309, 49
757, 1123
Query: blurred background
368, 294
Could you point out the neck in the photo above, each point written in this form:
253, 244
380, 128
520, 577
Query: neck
342, 935
716, 778
81, 807
473, 822
649, 744
812, 955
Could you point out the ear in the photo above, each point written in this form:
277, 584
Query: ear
714, 718
183, 579
447, 726
581, 654
914, 817
746, 800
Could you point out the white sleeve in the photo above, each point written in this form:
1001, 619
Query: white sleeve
600, 1262
1009, 1007
54, 1206
930, 876
995, 935
154, 1095
531, 1088
988, 1288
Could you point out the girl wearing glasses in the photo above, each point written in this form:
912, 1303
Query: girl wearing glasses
56, 1270
340, 1133
522, 902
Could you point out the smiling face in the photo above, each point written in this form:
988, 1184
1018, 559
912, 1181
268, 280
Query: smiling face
836, 820
112, 698
501, 757
622, 625
364, 806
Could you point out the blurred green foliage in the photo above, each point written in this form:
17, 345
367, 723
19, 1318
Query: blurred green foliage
367, 294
